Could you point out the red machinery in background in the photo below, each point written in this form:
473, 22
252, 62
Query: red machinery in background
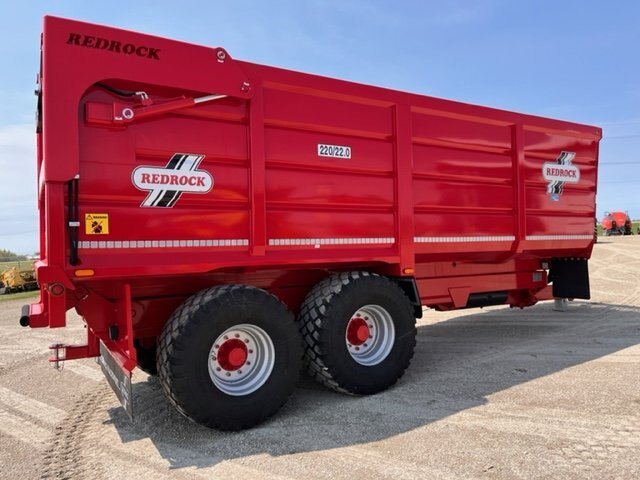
617, 223
212, 219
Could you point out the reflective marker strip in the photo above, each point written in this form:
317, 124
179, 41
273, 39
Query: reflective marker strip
330, 241
119, 244
560, 237
162, 243
507, 238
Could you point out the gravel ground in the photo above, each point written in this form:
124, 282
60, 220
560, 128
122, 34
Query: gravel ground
493, 393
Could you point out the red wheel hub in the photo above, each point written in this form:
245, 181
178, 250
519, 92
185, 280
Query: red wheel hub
357, 331
232, 354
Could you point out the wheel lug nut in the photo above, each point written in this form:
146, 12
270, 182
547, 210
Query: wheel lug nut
250, 351
218, 369
370, 325
226, 337
237, 335
365, 345
239, 372
357, 348
216, 346
370, 336
248, 362
228, 374
246, 340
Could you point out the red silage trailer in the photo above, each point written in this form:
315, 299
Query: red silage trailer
222, 222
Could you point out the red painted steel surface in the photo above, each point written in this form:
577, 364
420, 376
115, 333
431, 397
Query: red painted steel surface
458, 193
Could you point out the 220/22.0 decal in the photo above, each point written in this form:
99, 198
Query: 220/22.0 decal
334, 151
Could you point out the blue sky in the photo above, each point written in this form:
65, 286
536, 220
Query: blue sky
573, 60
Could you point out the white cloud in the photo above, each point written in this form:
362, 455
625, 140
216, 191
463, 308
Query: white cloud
18, 203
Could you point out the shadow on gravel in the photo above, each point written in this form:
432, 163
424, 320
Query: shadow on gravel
458, 363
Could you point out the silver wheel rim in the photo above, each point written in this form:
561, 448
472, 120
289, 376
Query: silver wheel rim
370, 335
241, 359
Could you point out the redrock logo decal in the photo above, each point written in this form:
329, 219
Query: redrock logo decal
100, 43
559, 173
166, 185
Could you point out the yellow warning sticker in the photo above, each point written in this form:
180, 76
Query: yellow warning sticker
96, 223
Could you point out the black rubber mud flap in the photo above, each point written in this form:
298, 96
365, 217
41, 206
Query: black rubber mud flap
119, 379
570, 278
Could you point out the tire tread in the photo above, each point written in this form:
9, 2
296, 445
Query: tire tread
312, 322
170, 344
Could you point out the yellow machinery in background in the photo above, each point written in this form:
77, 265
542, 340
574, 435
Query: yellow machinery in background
15, 280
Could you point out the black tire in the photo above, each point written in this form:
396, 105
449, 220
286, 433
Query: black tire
146, 358
325, 314
186, 350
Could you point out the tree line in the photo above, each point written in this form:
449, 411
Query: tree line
9, 256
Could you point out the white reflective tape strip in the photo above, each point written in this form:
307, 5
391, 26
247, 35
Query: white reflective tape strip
31, 407
117, 244
560, 237
331, 241
506, 238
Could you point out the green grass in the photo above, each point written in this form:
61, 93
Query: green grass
22, 265
19, 295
